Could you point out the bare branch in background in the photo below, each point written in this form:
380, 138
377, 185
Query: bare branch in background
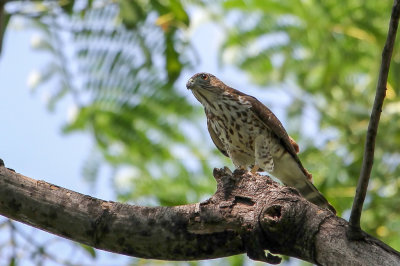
368, 160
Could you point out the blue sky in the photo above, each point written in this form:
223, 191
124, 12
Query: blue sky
32, 142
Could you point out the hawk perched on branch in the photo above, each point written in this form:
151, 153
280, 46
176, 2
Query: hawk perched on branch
246, 131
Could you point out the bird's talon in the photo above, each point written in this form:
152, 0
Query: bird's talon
227, 170
254, 169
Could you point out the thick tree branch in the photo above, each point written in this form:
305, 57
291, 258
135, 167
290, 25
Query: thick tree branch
373, 124
145, 232
248, 213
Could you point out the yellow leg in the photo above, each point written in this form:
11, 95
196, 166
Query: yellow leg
241, 167
254, 169
227, 170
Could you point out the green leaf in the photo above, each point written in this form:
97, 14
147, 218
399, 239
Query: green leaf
13, 261
173, 65
91, 251
131, 13
4, 19
67, 6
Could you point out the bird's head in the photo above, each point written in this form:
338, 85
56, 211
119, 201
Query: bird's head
205, 86
205, 81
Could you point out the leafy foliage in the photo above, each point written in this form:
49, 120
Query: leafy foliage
328, 55
127, 57
118, 62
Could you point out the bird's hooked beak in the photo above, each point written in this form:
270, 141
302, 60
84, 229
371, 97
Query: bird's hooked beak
190, 83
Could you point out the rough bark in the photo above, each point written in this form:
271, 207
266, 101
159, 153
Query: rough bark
248, 213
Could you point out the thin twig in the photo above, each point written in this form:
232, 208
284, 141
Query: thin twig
373, 124
2, 24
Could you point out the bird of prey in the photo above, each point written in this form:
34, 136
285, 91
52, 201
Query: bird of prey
247, 132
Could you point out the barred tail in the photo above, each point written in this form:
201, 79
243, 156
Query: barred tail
291, 173
311, 193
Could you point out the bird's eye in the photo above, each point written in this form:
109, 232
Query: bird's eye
204, 76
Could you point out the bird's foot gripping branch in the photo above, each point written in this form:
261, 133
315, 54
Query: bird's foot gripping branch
249, 213
264, 214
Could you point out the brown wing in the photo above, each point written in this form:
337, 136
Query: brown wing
272, 122
215, 139
294, 144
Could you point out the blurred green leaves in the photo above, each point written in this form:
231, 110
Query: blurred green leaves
118, 63
332, 52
